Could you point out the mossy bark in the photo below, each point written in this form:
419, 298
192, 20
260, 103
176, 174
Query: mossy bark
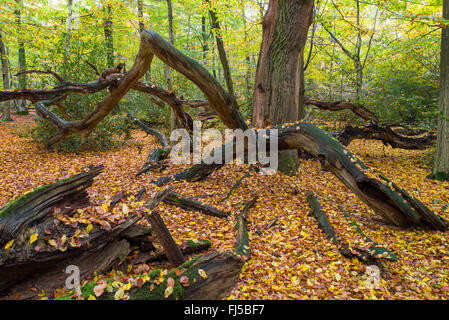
210, 277
279, 92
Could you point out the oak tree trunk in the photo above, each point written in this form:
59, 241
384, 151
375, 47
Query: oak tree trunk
5, 76
278, 90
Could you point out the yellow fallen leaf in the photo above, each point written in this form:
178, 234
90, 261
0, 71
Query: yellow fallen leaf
9, 244
33, 237
52, 243
91, 298
119, 294
202, 273
125, 209
168, 292
89, 228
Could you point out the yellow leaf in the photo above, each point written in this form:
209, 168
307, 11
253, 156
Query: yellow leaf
33, 237
105, 206
202, 273
52, 243
128, 286
168, 292
9, 244
119, 294
125, 209
89, 228
91, 298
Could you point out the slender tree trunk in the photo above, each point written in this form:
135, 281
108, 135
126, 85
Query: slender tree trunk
141, 28
222, 53
5, 76
168, 75
109, 41
21, 57
357, 62
205, 38
441, 168
108, 35
302, 91
278, 78
248, 61
69, 28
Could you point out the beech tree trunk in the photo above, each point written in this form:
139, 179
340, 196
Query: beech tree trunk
69, 27
222, 53
21, 109
168, 74
279, 82
108, 34
5, 76
441, 168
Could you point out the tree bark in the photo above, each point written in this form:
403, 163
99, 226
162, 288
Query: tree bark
222, 53
93, 245
69, 28
21, 104
174, 254
108, 34
168, 74
441, 166
5, 77
279, 83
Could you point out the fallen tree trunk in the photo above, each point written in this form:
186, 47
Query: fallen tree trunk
193, 205
367, 255
242, 238
39, 240
372, 187
208, 277
387, 135
187, 247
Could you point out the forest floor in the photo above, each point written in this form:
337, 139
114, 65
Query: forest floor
292, 259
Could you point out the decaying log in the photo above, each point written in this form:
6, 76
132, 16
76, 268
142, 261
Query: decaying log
28, 210
193, 205
242, 247
190, 204
187, 247
39, 239
375, 249
238, 183
174, 254
387, 135
372, 187
364, 255
208, 277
